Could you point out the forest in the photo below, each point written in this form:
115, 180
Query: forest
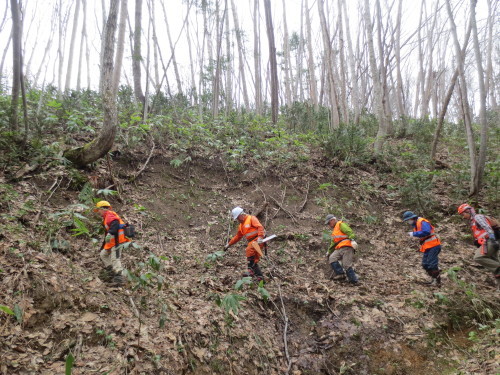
171, 115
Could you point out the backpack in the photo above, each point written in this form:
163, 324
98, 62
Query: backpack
495, 225
128, 229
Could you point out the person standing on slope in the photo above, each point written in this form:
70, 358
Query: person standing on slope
430, 245
486, 235
253, 231
341, 250
115, 235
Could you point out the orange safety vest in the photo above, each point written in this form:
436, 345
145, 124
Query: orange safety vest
430, 241
340, 238
249, 232
477, 231
110, 217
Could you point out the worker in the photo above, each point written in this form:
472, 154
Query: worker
114, 236
486, 235
253, 231
430, 245
341, 249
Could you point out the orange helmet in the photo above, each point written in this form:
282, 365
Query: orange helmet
463, 207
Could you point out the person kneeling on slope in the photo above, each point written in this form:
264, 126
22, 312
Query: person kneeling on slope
341, 249
430, 245
253, 231
486, 234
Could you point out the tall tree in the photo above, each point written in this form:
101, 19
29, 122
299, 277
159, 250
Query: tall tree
72, 47
16, 64
241, 59
378, 100
136, 54
313, 89
97, 148
286, 58
481, 162
256, 58
330, 75
273, 62
473, 189
120, 47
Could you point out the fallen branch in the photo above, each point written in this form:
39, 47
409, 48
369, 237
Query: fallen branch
145, 164
284, 210
303, 205
285, 330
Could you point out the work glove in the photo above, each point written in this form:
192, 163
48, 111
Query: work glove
108, 238
410, 234
259, 240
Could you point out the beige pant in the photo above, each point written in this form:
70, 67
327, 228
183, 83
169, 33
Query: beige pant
111, 258
345, 255
487, 256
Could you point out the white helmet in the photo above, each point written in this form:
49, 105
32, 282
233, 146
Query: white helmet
237, 211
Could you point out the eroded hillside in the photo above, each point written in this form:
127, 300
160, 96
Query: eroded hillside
180, 312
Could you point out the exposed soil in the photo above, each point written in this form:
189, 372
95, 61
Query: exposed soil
390, 324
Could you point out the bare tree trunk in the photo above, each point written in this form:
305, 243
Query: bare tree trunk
286, 58
313, 89
273, 62
377, 87
335, 118
72, 47
82, 39
3, 57
300, 56
192, 90
490, 81
447, 98
465, 102
156, 47
419, 90
16, 64
102, 144
136, 55
217, 77
229, 59
256, 59
343, 68
399, 78
481, 162
120, 47
172, 51
241, 59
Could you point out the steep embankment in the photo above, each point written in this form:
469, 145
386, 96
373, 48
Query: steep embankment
302, 322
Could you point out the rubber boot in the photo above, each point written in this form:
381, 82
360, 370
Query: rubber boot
249, 273
338, 270
107, 273
351, 276
436, 278
117, 279
258, 273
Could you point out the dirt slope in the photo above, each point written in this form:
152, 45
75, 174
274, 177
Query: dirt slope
390, 324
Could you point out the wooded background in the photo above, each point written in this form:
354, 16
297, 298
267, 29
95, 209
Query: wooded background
396, 60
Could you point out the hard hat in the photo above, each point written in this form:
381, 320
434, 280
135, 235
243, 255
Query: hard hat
237, 211
103, 204
463, 207
408, 215
329, 218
